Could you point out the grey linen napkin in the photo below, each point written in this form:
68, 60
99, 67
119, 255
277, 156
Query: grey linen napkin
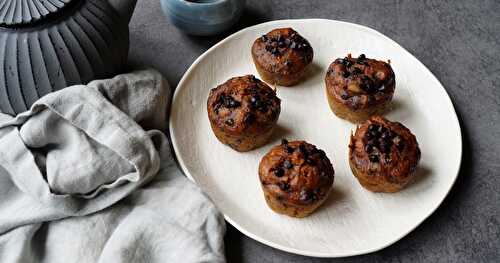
86, 175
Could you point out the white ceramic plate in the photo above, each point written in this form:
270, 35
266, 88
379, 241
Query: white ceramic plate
353, 220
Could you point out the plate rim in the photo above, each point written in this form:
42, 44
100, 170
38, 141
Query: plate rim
271, 243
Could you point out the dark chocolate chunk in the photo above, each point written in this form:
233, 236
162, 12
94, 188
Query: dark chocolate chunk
373, 158
287, 164
284, 186
229, 102
249, 118
344, 95
346, 74
303, 149
373, 127
361, 57
307, 196
230, 122
278, 172
368, 148
384, 147
284, 141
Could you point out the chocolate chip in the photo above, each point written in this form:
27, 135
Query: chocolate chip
230, 102
229, 122
303, 149
264, 38
287, 164
249, 118
288, 63
310, 161
368, 84
368, 148
373, 158
375, 133
384, 147
344, 95
307, 196
346, 74
278, 172
386, 134
275, 51
348, 63
289, 149
284, 141
373, 127
361, 57
356, 71
368, 135
284, 186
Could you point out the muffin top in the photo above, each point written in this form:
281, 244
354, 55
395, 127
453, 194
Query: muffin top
381, 147
243, 104
360, 82
296, 172
282, 51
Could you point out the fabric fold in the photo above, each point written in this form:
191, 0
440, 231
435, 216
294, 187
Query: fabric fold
86, 155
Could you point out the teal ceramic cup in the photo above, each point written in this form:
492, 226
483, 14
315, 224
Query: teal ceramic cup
203, 17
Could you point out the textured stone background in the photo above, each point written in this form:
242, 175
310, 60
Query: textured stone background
459, 41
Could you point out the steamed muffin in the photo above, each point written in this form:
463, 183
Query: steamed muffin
282, 56
357, 88
296, 178
383, 155
243, 112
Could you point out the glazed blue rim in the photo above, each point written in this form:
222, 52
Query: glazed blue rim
194, 13
202, 2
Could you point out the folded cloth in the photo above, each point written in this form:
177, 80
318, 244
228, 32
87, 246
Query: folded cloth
86, 175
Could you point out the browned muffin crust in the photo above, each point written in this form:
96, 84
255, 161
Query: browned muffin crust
243, 112
383, 155
282, 56
359, 87
296, 178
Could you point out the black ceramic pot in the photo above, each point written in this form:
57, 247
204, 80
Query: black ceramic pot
47, 45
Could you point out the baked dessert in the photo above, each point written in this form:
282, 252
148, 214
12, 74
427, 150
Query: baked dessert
359, 87
383, 155
296, 178
282, 56
243, 112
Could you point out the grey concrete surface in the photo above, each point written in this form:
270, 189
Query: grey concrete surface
459, 41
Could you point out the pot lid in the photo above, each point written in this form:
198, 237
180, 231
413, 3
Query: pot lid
21, 12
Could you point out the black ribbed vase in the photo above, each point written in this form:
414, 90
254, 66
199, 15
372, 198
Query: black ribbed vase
47, 45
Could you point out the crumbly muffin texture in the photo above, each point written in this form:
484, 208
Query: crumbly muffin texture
383, 155
296, 178
282, 56
243, 112
359, 87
